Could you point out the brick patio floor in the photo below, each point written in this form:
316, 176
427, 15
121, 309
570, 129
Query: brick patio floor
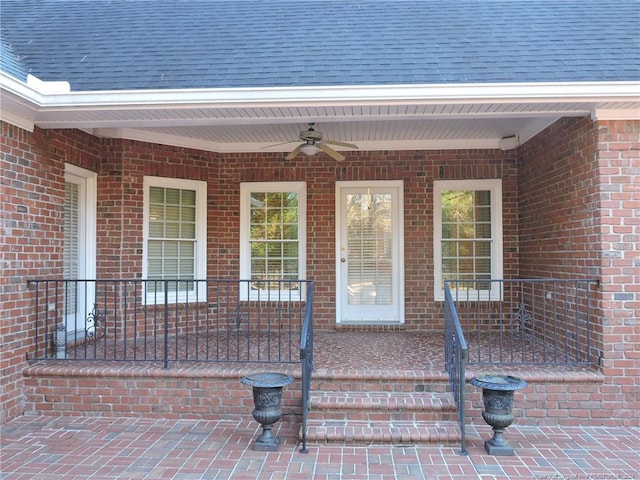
96, 448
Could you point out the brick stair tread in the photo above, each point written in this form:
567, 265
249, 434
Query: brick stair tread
381, 401
363, 432
347, 374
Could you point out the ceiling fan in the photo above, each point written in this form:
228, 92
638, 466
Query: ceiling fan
312, 142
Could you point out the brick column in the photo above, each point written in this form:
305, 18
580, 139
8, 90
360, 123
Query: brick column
619, 165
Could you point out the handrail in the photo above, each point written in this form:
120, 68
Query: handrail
456, 353
306, 358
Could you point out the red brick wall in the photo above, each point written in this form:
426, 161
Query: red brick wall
150, 392
558, 186
121, 173
579, 185
32, 183
120, 192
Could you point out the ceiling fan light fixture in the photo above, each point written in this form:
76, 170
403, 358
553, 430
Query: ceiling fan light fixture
309, 149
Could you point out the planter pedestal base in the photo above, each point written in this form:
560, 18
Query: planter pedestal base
497, 396
267, 393
498, 445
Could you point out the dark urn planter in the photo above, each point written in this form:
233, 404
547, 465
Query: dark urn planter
267, 394
497, 396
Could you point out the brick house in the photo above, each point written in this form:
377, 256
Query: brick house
535, 109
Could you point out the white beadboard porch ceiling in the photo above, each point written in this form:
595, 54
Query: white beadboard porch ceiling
475, 116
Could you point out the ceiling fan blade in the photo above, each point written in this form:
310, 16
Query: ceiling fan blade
278, 144
295, 152
331, 152
341, 144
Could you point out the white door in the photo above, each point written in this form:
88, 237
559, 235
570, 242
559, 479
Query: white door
78, 249
369, 253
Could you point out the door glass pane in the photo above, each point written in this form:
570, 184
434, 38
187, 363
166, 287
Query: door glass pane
369, 249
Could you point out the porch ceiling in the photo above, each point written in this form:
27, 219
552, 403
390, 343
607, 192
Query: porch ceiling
374, 118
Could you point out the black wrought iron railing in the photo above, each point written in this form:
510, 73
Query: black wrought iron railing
306, 357
528, 321
171, 320
455, 360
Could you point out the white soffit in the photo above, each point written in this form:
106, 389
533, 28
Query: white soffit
375, 117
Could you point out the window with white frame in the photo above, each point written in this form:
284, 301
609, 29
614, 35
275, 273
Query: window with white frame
468, 237
175, 244
272, 239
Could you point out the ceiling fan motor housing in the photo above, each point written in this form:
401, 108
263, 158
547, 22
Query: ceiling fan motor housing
310, 136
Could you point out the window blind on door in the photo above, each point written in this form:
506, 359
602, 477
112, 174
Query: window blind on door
369, 249
70, 268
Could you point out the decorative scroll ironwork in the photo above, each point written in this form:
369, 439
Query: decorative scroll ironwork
522, 320
95, 324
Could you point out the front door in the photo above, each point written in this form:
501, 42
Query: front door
369, 253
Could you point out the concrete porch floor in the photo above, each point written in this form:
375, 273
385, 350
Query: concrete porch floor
82, 448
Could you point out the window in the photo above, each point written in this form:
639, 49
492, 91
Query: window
272, 238
175, 238
468, 236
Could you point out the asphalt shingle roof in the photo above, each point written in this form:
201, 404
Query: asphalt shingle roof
10, 64
142, 44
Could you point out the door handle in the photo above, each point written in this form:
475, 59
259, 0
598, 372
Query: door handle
343, 259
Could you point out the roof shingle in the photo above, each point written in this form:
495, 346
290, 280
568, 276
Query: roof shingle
145, 44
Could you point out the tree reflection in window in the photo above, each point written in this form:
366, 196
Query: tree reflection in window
466, 236
274, 238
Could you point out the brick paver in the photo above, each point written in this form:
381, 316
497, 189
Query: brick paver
95, 448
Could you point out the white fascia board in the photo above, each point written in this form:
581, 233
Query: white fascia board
19, 115
44, 87
34, 90
21, 101
348, 95
18, 102
615, 114
57, 98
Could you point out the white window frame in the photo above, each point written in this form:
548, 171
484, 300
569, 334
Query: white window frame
246, 189
87, 182
494, 186
200, 268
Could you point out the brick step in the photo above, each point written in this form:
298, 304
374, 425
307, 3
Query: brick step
391, 407
382, 406
406, 381
375, 433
